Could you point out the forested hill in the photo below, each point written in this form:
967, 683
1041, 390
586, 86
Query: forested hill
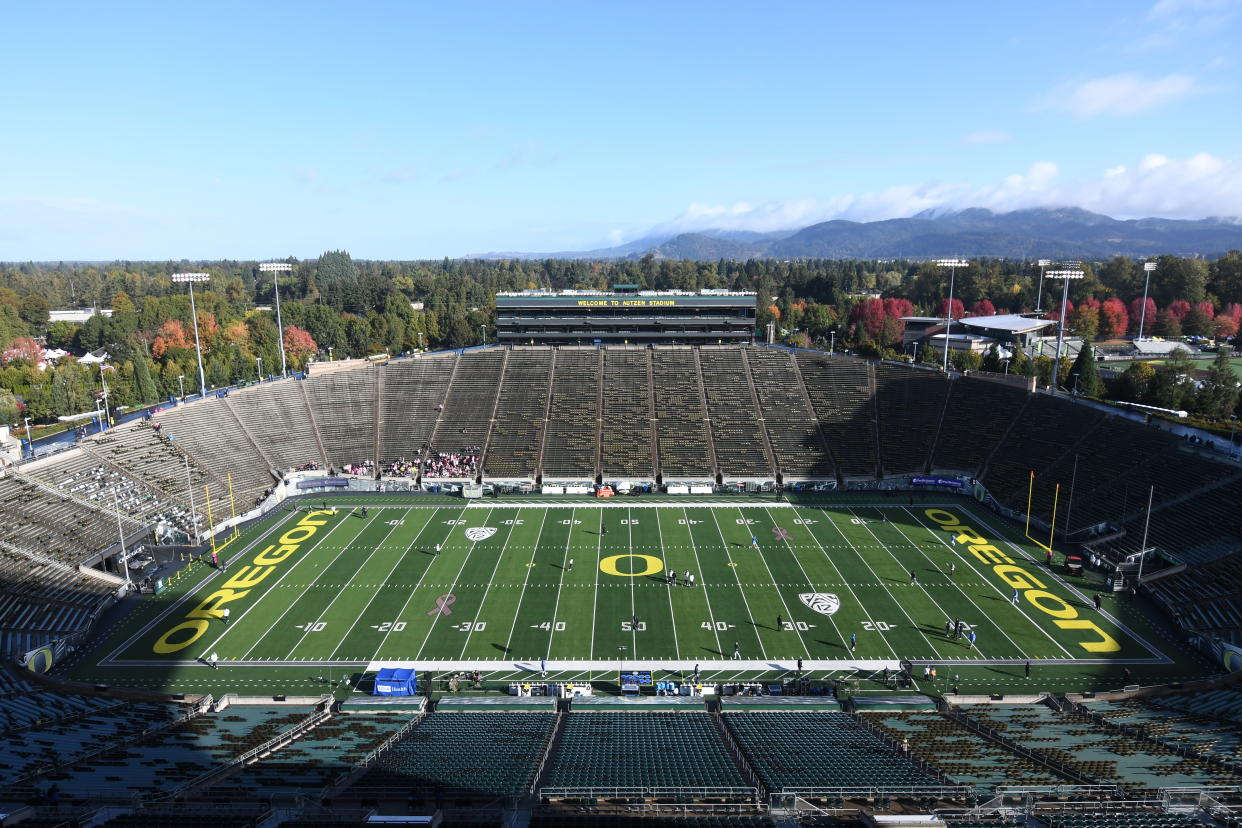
1063, 233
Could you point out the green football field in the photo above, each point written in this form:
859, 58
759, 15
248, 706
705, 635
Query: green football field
586, 587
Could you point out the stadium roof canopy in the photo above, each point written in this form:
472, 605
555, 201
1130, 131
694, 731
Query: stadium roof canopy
1006, 322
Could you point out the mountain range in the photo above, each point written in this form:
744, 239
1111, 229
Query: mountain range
1051, 233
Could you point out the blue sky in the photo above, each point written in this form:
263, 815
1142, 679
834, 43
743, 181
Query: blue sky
411, 130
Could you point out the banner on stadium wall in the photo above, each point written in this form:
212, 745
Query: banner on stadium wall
41, 659
324, 483
936, 481
472, 490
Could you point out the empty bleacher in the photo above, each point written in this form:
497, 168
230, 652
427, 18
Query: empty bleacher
480, 755
635, 750
467, 415
343, 404
1197, 529
806, 750
42, 520
791, 426
275, 414
910, 403
840, 392
1207, 597
976, 417
681, 427
1046, 430
517, 435
1168, 721
85, 477
736, 430
142, 452
572, 437
414, 391
625, 430
959, 753
316, 758
1095, 751
210, 433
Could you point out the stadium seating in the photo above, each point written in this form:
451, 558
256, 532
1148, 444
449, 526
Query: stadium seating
43, 729
1104, 756
478, 755
517, 435
276, 417
467, 416
736, 430
910, 404
959, 753
649, 749
414, 391
1128, 819
818, 750
572, 439
625, 426
791, 426
40, 519
343, 405
1161, 720
163, 760
84, 477
315, 759
42, 602
1193, 529
1047, 429
841, 394
681, 421
976, 417
140, 451
1205, 598
210, 433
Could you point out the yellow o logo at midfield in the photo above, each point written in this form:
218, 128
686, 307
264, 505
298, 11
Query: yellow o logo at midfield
609, 566
168, 642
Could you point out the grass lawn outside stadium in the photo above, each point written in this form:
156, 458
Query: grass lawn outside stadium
313, 593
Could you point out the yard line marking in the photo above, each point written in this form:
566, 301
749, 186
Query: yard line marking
844, 580
982, 613
405, 606
473, 545
779, 594
543, 521
698, 564
374, 595
556, 606
633, 601
488, 588
809, 583
900, 605
306, 556
599, 550
738, 580
340, 590
672, 614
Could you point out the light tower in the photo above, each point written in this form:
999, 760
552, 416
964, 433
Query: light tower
274, 268
1039, 297
1148, 269
952, 265
191, 278
1066, 276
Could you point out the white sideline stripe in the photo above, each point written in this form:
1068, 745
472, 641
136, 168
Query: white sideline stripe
611, 665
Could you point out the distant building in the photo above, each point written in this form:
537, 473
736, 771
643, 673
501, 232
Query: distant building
94, 357
975, 333
78, 315
625, 315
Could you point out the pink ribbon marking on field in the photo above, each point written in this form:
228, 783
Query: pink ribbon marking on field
442, 605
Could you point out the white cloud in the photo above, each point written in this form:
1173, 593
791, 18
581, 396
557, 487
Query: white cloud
1194, 187
987, 136
1122, 94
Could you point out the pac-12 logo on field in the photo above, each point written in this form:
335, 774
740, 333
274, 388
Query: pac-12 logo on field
478, 533
825, 603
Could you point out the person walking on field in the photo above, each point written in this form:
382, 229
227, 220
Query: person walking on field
691, 579
737, 650
224, 614
1014, 598
687, 577
438, 547
853, 642
672, 577
570, 568
971, 638
214, 661
779, 626
914, 578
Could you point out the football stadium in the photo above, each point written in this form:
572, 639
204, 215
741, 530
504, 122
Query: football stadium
635, 582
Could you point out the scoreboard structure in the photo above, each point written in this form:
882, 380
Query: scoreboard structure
625, 315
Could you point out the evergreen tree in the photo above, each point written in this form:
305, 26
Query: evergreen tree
1083, 377
144, 384
1218, 397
